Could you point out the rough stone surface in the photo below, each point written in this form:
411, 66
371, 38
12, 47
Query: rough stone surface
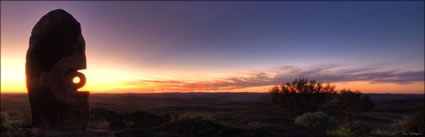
55, 53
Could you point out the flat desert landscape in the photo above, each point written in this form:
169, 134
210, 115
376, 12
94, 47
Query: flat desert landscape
240, 112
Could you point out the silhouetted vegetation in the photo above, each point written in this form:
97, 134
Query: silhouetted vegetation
107, 119
340, 132
360, 129
351, 103
317, 120
414, 124
4, 121
21, 120
302, 95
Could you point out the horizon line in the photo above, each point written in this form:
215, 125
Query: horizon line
201, 92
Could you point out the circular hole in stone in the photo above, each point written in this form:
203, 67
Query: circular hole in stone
76, 80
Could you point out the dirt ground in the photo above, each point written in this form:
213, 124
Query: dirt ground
240, 111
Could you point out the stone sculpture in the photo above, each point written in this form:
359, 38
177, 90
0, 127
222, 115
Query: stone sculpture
56, 52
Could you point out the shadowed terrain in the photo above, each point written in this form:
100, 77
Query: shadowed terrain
216, 114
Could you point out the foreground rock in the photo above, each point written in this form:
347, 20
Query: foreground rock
55, 53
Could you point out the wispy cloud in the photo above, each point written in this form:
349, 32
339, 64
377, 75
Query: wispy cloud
323, 73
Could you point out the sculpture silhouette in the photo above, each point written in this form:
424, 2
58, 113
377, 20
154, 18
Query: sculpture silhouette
55, 53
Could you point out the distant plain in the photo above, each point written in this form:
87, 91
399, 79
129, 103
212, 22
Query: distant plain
239, 109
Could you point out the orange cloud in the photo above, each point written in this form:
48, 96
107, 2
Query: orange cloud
371, 79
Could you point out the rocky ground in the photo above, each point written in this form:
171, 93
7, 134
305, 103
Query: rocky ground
202, 115
106, 123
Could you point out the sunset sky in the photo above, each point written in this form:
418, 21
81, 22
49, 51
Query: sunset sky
373, 47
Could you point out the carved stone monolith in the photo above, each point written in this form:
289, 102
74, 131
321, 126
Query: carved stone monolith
56, 52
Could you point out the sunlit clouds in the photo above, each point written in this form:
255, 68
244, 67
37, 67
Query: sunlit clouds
153, 47
365, 78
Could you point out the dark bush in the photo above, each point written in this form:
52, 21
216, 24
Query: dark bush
26, 120
317, 120
4, 121
410, 125
340, 132
142, 119
302, 95
351, 103
104, 119
360, 129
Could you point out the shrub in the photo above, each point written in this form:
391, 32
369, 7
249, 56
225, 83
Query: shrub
341, 132
4, 121
302, 95
4, 117
316, 120
411, 124
351, 103
19, 120
360, 129
102, 124
180, 116
382, 132
129, 124
26, 120
107, 119
215, 120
